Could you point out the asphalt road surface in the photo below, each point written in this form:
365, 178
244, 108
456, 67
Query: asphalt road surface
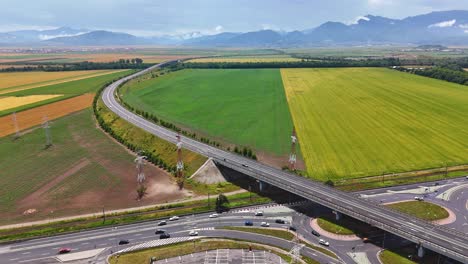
439, 239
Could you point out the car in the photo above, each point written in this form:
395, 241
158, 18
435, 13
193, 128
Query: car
213, 216
245, 165
280, 221
162, 223
436, 184
159, 231
419, 198
265, 224
164, 236
123, 242
366, 240
315, 233
173, 218
193, 233
64, 250
248, 223
292, 228
259, 213
323, 242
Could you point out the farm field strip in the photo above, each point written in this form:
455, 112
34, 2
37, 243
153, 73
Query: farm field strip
9, 102
18, 81
358, 122
33, 117
247, 59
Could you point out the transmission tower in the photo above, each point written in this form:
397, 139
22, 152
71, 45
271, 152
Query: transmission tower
180, 163
140, 163
292, 156
15, 124
46, 126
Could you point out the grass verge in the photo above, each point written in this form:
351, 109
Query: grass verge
181, 249
333, 226
420, 209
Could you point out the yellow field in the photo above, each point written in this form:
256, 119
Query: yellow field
13, 101
466, 69
247, 59
34, 116
17, 81
356, 122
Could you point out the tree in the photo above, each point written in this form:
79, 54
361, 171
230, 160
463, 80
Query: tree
141, 191
222, 203
330, 183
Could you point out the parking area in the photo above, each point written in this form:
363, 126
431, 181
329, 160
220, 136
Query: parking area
227, 256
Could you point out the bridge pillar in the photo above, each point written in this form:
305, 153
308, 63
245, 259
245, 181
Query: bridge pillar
338, 215
421, 251
261, 185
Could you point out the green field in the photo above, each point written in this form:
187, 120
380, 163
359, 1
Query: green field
245, 107
67, 89
354, 122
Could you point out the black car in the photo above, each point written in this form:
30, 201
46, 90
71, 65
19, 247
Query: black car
292, 228
165, 235
162, 223
315, 233
280, 221
248, 223
124, 242
160, 231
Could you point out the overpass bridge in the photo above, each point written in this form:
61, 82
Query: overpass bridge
443, 240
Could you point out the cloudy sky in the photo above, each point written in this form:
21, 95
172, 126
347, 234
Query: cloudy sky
157, 17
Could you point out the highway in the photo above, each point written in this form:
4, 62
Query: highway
44, 250
437, 238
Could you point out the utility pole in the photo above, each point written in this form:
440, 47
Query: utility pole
180, 163
15, 124
292, 155
46, 127
140, 163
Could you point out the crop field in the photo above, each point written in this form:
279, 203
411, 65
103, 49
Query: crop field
245, 107
65, 89
8, 102
35, 116
83, 171
17, 81
355, 122
271, 58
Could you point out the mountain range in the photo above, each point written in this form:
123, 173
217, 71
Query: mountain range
444, 27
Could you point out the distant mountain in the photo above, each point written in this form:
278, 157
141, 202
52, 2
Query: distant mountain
446, 27
98, 38
39, 35
437, 28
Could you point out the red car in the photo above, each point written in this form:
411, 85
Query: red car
64, 250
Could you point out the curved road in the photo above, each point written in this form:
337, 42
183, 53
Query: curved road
442, 240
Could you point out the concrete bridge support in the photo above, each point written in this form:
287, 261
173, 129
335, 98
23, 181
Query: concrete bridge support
421, 251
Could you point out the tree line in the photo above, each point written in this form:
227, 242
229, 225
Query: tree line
451, 73
135, 63
329, 63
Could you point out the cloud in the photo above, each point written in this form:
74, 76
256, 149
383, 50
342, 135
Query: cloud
444, 24
219, 28
46, 37
464, 26
356, 20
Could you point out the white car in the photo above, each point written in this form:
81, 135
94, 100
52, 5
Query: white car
193, 233
173, 218
259, 213
323, 242
418, 198
213, 216
265, 224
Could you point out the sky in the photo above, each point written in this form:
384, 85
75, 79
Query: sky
174, 17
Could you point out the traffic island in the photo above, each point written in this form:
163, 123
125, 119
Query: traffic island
333, 230
423, 210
